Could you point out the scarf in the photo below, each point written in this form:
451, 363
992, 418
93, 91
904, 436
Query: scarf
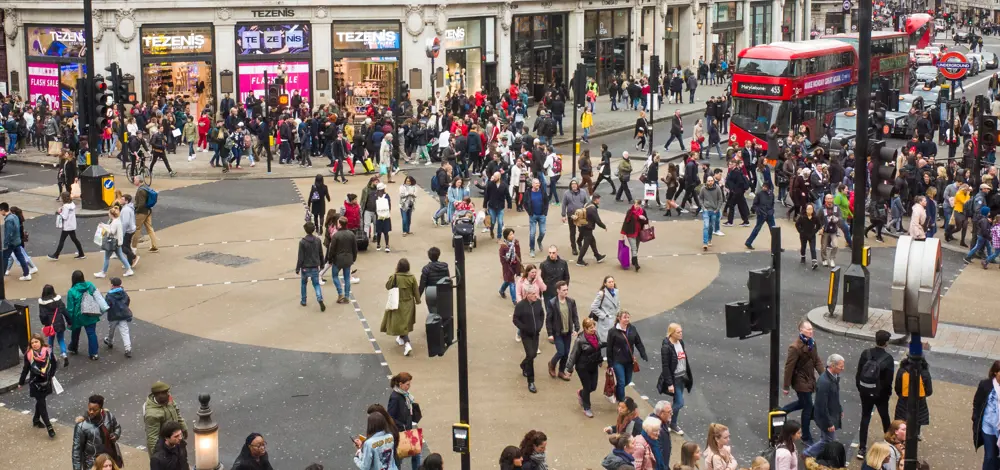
407, 396
539, 459
613, 292
996, 390
627, 457
592, 339
809, 342
44, 353
654, 448
511, 252
623, 421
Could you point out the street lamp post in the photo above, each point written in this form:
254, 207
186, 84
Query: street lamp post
206, 438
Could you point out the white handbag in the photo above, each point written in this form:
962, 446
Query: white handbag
392, 302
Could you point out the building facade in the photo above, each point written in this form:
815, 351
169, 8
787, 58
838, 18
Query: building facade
355, 53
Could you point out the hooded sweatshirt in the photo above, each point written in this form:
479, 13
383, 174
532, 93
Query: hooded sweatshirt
573, 201
53, 312
711, 198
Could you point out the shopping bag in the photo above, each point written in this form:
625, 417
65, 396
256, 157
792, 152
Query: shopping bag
56, 386
410, 443
99, 234
650, 191
176, 132
59, 221
647, 234
55, 148
624, 254
383, 170
392, 302
609, 382
74, 190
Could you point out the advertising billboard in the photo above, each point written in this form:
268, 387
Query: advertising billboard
43, 80
51, 41
268, 39
252, 78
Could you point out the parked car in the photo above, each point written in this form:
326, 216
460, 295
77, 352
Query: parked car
923, 57
962, 37
842, 131
990, 60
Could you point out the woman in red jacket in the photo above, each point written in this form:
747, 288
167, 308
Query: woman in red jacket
635, 221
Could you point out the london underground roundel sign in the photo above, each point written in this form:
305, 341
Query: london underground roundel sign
953, 65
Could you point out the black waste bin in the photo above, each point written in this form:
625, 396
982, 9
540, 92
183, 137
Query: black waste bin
14, 332
92, 187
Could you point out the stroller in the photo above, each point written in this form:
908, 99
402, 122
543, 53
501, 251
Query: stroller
463, 223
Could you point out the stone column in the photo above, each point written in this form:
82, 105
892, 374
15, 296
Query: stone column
797, 22
709, 18
322, 33
747, 36
777, 17
686, 28
806, 19
574, 42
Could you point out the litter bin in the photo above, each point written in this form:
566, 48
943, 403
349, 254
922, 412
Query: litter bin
92, 188
14, 332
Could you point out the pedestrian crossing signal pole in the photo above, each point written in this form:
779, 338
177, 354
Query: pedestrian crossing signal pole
463, 350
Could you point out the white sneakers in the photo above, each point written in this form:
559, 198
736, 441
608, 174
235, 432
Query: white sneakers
355, 280
24, 278
399, 340
407, 349
100, 275
32, 270
129, 273
718, 233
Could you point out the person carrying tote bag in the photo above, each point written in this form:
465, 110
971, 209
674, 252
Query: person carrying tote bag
111, 242
401, 307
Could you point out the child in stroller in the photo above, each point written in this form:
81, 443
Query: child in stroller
464, 222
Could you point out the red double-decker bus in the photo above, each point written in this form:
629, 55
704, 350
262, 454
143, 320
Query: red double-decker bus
791, 84
890, 57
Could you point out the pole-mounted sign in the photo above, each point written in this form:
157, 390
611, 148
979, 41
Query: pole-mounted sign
433, 47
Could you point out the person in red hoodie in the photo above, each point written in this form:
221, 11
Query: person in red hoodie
204, 124
352, 212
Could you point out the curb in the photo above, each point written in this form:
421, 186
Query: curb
617, 129
14, 159
818, 317
4, 190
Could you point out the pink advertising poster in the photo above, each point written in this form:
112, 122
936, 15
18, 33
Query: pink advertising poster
252, 78
43, 80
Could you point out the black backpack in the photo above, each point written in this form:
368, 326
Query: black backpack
871, 372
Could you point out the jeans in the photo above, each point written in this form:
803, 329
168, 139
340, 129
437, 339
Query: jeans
12, 144
20, 259
846, 229
586, 133
824, 437
20, 250
981, 243
562, 343
312, 274
623, 377
74, 339
680, 140
553, 195
339, 272
559, 125
991, 461
802, 402
122, 327
406, 216
812, 247
760, 223
690, 96
496, 220
896, 210
533, 221
443, 209
513, 292
678, 401
882, 405
190, 148
121, 257
62, 343
709, 221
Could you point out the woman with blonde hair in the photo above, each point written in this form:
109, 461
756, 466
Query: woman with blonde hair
718, 454
895, 437
878, 456
675, 376
646, 446
105, 462
760, 463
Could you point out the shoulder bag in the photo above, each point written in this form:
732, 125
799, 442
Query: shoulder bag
392, 302
635, 363
89, 305
49, 330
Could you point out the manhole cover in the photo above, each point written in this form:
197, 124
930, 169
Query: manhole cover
222, 259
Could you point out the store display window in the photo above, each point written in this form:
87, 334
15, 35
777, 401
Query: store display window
362, 82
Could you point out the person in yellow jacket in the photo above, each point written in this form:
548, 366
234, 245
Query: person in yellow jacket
959, 216
587, 121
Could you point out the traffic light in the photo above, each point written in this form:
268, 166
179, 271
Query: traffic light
987, 134
884, 170
103, 102
762, 293
579, 85
404, 92
119, 88
440, 317
272, 96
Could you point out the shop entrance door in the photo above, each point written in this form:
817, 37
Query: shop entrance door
490, 80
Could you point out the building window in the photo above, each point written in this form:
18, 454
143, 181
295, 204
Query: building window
760, 24
729, 11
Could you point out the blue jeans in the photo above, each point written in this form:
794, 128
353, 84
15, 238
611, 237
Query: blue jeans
710, 220
896, 210
62, 342
981, 242
121, 257
442, 209
553, 194
586, 132
190, 148
12, 144
760, 223
947, 215
338, 273
513, 292
312, 274
678, 401
406, 215
24, 254
533, 221
803, 402
558, 120
623, 376
846, 229
991, 461
496, 220
20, 259
824, 437
74, 339
690, 96
562, 343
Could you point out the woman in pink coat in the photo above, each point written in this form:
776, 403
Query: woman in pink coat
644, 446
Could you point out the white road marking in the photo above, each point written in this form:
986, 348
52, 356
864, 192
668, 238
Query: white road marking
11, 176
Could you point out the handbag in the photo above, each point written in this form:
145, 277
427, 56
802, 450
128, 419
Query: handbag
99, 234
624, 254
74, 190
89, 305
609, 382
635, 363
416, 415
109, 243
392, 302
59, 221
49, 330
411, 443
647, 234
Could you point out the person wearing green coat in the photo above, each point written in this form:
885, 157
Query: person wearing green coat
399, 321
74, 302
190, 134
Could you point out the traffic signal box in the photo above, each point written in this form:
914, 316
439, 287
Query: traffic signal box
758, 314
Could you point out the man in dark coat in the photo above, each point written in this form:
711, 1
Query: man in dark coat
829, 410
561, 321
676, 130
529, 316
801, 367
433, 272
554, 269
342, 254
875, 395
170, 452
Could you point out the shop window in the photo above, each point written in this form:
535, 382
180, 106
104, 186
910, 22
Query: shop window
364, 81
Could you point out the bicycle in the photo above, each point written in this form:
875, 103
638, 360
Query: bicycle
138, 168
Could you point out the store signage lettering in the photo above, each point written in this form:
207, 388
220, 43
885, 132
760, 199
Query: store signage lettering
380, 37
67, 36
191, 41
601, 30
609, 2
457, 34
826, 81
286, 13
760, 89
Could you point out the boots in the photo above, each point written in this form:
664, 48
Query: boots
635, 263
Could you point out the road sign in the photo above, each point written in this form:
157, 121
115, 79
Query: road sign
433, 48
847, 5
953, 65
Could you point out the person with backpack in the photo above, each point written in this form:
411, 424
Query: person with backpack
873, 380
145, 199
830, 217
84, 304
319, 195
119, 316
111, 243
